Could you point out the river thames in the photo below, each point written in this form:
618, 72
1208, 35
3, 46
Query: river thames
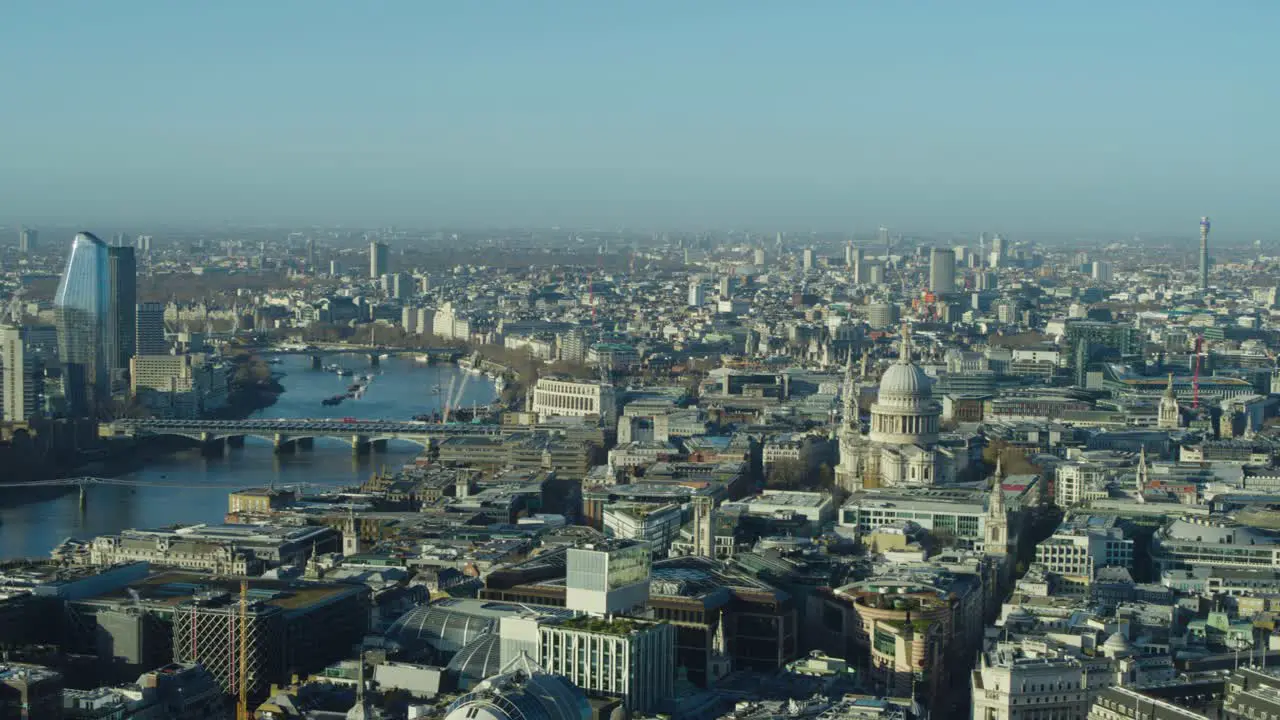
33, 521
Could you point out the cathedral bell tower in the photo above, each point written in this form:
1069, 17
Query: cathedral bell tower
997, 530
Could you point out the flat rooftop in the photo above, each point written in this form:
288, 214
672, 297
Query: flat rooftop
171, 589
792, 498
232, 533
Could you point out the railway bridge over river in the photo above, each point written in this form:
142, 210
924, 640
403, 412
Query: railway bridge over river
288, 434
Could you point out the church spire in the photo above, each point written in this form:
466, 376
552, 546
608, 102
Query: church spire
1142, 477
850, 415
904, 354
718, 644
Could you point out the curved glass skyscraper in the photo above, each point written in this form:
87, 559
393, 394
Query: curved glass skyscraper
81, 307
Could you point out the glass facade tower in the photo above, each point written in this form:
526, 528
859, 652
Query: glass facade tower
81, 308
120, 340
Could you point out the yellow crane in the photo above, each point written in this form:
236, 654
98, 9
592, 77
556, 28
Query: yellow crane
242, 707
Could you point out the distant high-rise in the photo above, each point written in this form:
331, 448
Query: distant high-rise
1101, 271
122, 303
311, 254
808, 258
1204, 253
149, 336
401, 286
942, 271
860, 268
759, 257
998, 251
28, 239
21, 375
80, 308
379, 259
697, 294
883, 236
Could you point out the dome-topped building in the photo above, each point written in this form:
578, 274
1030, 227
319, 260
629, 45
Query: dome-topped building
522, 691
902, 445
905, 411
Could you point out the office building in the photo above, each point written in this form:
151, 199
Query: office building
21, 375
311, 255
882, 315
30, 691
608, 577
149, 333
179, 386
861, 271
80, 307
190, 618
942, 271
807, 259
574, 399
122, 304
657, 525
759, 257
28, 240
627, 658
379, 259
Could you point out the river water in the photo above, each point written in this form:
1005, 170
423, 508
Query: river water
33, 521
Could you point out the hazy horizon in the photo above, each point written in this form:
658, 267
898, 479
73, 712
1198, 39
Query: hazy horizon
1092, 119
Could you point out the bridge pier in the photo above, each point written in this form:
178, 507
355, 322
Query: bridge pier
84, 498
213, 448
374, 360
379, 445
316, 362
235, 441
359, 445
306, 443
283, 444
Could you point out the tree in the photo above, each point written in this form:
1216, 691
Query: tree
785, 474
1013, 460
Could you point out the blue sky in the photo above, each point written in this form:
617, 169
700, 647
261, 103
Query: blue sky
1074, 117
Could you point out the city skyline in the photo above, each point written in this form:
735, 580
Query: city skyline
1088, 119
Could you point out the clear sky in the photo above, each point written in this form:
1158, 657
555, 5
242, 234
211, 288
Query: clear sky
1115, 116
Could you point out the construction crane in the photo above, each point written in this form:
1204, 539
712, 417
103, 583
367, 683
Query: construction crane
455, 399
14, 310
1195, 376
242, 708
448, 398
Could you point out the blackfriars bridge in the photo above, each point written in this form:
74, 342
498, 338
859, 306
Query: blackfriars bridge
288, 434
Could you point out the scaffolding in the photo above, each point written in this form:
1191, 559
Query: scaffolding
211, 630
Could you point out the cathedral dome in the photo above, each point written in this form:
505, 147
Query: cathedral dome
905, 412
905, 381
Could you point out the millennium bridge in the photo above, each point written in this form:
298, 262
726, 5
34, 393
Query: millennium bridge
288, 434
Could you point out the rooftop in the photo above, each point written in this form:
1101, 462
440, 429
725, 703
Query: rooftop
171, 589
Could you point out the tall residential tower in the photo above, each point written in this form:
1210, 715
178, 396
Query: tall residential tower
379, 256
81, 310
122, 302
1204, 253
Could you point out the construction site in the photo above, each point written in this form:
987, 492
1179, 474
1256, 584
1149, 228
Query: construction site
272, 629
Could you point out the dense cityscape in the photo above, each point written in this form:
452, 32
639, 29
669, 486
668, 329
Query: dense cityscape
742, 475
